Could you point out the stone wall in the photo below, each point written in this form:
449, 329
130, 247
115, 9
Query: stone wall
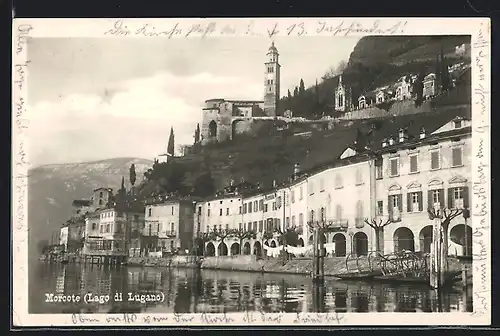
397, 108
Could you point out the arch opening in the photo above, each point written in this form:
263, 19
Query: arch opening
403, 240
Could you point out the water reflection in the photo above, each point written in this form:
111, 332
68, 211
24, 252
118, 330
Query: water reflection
195, 291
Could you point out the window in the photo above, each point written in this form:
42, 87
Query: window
287, 222
394, 166
100, 202
244, 208
208, 213
456, 157
380, 208
227, 211
278, 203
254, 226
220, 212
301, 219
227, 227
311, 216
321, 185
293, 221
261, 205
435, 164
379, 168
241, 209
395, 206
220, 202
293, 196
172, 209
457, 124
274, 206
94, 225
255, 206
414, 201
249, 207
261, 225
100, 194
338, 181
322, 214
271, 81
414, 163
266, 207
338, 212
458, 198
240, 226
436, 198
300, 193
359, 176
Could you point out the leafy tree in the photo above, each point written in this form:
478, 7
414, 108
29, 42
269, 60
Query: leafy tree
289, 94
266, 235
378, 227
243, 234
132, 174
197, 134
204, 185
170, 177
418, 89
302, 88
171, 143
295, 92
201, 239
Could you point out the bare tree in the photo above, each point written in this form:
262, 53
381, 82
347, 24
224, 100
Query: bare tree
378, 227
220, 234
243, 234
445, 215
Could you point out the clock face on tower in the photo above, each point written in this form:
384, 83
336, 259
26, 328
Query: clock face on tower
270, 76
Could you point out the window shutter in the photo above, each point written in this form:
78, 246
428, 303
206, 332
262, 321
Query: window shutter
429, 199
466, 197
441, 197
389, 206
456, 157
408, 202
400, 202
420, 201
450, 198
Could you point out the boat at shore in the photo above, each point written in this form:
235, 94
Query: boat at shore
358, 275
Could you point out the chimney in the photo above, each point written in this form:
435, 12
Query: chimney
296, 169
231, 183
274, 183
422, 133
391, 141
402, 135
384, 143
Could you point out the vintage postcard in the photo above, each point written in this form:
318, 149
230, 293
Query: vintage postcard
292, 171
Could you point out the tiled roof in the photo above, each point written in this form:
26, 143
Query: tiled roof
82, 202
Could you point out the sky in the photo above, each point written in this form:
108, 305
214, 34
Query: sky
92, 99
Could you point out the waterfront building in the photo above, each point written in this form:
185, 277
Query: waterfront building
431, 168
339, 199
170, 220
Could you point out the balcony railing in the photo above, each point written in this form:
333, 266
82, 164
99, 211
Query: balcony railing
359, 223
171, 233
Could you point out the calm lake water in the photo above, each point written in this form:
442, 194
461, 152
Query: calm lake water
191, 291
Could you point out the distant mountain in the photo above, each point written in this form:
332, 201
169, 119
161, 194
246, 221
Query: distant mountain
52, 189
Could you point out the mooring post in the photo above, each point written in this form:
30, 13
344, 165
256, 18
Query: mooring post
321, 253
315, 254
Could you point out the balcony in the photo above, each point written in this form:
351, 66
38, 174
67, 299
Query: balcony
171, 233
359, 223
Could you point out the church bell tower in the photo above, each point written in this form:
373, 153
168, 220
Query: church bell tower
272, 81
